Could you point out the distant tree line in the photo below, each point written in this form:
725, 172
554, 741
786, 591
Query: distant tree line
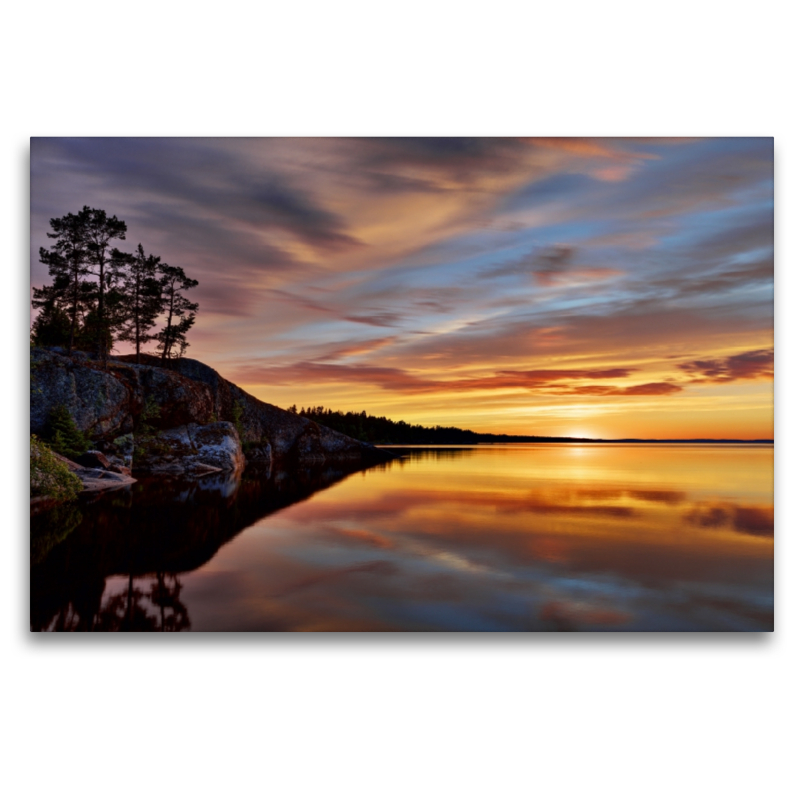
100, 295
380, 430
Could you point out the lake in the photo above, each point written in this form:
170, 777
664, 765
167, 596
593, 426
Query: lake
544, 537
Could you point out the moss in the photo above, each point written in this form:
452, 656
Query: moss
49, 476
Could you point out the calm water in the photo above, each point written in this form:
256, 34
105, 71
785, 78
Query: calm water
509, 538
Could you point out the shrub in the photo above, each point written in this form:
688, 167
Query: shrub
49, 476
65, 436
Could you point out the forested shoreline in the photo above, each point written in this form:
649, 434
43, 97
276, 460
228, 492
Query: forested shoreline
381, 430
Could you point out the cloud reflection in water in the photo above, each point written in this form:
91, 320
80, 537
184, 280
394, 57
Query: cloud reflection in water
506, 538
519, 539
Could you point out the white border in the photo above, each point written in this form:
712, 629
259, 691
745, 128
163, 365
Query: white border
406, 716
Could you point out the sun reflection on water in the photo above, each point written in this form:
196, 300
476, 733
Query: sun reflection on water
529, 537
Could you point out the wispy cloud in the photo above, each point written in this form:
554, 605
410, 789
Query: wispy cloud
455, 267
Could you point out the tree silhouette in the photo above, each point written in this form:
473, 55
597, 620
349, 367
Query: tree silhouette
67, 262
140, 296
129, 293
51, 328
98, 230
180, 313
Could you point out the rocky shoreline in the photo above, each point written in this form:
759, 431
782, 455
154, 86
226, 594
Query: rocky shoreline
181, 420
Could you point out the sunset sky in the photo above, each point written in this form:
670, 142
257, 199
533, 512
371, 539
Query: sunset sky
602, 288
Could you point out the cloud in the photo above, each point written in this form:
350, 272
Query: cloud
547, 375
552, 266
640, 390
547, 381
206, 179
750, 365
552, 261
378, 319
358, 348
487, 260
736, 278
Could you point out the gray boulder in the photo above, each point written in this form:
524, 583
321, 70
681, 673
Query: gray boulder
191, 450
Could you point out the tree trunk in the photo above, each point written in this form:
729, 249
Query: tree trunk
101, 316
136, 314
168, 329
74, 321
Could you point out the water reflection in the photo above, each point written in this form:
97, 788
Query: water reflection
153, 530
486, 538
440, 453
157, 607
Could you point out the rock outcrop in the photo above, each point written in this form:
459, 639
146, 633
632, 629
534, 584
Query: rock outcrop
97, 479
265, 427
97, 401
185, 419
193, 450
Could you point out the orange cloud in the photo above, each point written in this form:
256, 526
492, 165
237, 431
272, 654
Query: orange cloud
401, 381
750, 365
643, 389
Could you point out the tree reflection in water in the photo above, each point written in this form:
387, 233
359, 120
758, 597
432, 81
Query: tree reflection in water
133, 609
150, 532
520, 538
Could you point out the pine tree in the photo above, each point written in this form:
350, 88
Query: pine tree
64, 435
67, 262
140, 296
52, 327
98, 230
180, 313
129, 294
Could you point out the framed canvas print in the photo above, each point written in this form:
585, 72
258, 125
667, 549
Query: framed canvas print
421, 384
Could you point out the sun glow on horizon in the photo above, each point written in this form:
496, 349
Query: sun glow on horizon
599, 289
583, 433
